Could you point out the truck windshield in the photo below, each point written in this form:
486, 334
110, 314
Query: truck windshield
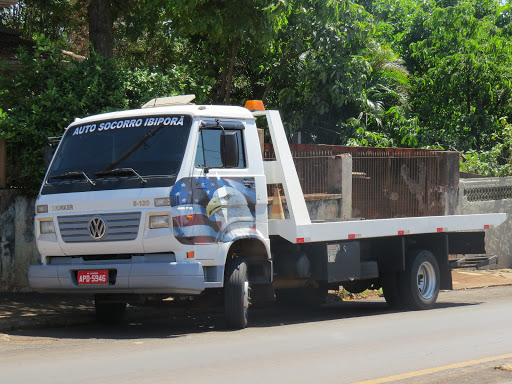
119, 153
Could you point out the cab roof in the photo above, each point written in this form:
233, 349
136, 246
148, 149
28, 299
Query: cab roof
206, 111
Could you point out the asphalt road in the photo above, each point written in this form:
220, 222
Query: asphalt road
461, 341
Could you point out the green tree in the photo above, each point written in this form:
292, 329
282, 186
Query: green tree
315, 68
51, 18
386, 86
49, 90
463, 87
218, 30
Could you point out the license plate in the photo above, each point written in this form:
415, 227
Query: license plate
92, 277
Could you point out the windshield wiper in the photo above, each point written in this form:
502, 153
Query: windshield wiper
74, 175
121, 171
131, 150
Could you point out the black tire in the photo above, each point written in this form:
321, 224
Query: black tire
109, 313
236, 294
390, 282
420, 281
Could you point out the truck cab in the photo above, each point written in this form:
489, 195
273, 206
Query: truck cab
153, 201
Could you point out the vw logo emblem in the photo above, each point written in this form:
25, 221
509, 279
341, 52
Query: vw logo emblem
97, 228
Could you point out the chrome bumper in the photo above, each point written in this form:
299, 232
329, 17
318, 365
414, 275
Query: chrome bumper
155, 277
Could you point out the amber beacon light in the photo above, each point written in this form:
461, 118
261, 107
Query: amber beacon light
254, 105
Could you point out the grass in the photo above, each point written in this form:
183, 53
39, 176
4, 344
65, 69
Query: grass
344, 295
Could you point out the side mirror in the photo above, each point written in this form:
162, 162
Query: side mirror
229, 149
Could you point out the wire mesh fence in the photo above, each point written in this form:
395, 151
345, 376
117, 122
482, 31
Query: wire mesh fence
311, 166
397, 185
386, 182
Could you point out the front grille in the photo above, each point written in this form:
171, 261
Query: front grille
119, 227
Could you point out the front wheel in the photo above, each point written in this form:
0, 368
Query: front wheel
421, 280
236, 294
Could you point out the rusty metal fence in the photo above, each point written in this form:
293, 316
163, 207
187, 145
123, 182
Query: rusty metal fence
311, 168
397, 185
386, 182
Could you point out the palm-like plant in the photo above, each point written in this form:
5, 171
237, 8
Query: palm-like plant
386, 85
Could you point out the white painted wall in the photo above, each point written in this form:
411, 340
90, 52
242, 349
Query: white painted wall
498, 240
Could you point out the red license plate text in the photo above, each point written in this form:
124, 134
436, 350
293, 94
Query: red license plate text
92, 277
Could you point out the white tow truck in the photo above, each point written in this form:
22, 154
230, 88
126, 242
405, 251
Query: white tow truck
170, 202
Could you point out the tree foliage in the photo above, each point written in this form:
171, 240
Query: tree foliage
465, 87
410, 73
50, 90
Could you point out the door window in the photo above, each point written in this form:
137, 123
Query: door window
208, 153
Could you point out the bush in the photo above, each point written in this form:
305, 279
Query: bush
494, 162
49, 90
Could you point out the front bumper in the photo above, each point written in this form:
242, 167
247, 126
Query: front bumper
156, 277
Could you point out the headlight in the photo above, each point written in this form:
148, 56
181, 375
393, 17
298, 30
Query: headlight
161, 221
43, 208
162, 201
46, 227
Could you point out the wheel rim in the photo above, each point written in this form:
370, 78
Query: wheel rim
246, 297
426, 280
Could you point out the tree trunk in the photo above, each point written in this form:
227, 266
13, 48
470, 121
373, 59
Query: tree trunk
3, 165
100, 27
219, 98
229, 78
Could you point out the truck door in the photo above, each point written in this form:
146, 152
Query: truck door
222, 183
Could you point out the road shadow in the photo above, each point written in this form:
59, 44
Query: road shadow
288, 315
162, 323
30, 304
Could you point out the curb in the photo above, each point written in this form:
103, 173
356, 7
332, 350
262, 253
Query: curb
479, 287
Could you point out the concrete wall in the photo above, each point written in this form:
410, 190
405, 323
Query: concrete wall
449, 181
321, 207
18, 248
339, 181
490, 195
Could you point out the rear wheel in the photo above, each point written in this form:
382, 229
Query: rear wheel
109, 312
421, 280
236, 294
